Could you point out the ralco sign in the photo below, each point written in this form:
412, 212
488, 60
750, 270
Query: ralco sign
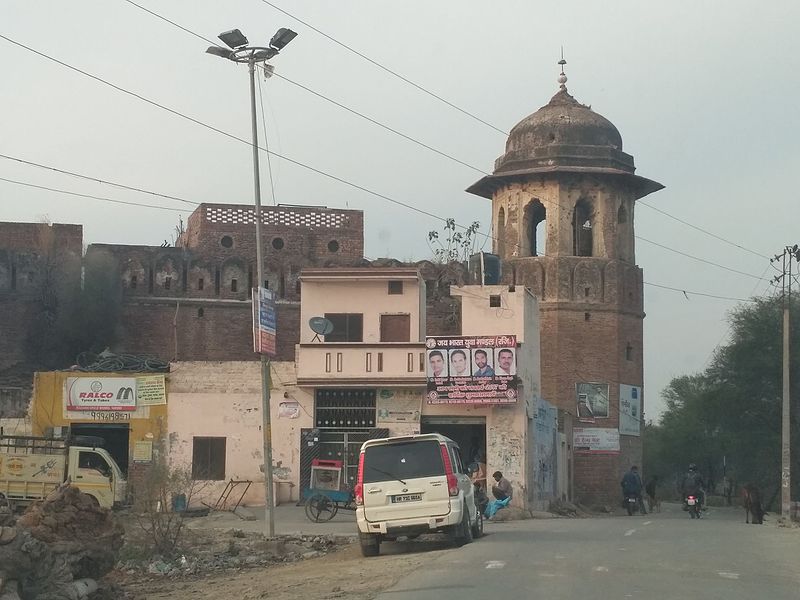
106, 393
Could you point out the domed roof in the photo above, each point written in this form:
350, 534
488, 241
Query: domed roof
564, 132
561, 121
564, 136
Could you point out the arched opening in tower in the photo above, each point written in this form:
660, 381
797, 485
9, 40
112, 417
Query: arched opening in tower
622, 214
582, 223
535, 228
500, 233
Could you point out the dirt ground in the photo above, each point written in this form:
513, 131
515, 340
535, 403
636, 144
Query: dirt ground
341, 574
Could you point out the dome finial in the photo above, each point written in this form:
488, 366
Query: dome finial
562, 78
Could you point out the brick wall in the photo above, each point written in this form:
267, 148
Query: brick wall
26, 249
590, 314
205, 330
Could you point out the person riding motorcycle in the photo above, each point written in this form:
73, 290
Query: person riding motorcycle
632, 486
693, 485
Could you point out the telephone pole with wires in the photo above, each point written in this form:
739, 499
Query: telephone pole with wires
785, 277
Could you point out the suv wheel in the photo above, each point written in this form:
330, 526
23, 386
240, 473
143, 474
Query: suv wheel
477, 529
462, 534
370, 543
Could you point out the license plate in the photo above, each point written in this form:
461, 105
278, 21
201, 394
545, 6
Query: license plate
691, 501
407, 498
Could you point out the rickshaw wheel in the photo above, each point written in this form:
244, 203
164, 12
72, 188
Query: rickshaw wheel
320, 508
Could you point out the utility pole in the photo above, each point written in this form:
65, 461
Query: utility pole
240, 52
789, 253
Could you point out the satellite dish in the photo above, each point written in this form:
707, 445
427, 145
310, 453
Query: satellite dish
320, 326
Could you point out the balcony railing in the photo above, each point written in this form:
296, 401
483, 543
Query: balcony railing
349, 364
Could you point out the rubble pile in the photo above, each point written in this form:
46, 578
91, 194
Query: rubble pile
236, 550
58, 548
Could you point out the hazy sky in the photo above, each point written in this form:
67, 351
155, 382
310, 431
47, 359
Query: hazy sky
703, 94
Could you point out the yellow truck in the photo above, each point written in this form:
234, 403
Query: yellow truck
32, 467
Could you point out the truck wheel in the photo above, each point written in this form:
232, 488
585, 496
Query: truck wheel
462, 533
370, 544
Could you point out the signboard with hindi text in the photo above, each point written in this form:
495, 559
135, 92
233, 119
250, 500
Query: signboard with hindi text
264, 322
472, 369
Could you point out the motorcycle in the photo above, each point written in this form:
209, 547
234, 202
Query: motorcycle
631, 503
692, 504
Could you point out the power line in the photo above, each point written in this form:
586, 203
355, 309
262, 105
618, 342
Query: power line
60, 191
384, 68
266, 142
323, 96
687, 293
697, 258
309, 167
97, 180
444, 154
229, 135
693, 226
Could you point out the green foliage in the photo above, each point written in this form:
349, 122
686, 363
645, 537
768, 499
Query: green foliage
458, 244
733, 408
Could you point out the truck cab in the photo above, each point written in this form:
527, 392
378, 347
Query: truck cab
94, 472
32, 467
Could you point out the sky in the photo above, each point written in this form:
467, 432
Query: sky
702, 92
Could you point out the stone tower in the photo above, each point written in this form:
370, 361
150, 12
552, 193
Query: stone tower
563, 197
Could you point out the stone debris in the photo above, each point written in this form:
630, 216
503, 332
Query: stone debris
235, 550
58, 548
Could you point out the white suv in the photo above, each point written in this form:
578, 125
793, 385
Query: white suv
412, 485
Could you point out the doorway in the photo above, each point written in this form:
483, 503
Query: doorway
116, 438
468, 432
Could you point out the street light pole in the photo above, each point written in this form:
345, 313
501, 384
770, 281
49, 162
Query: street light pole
240, 52
266, 417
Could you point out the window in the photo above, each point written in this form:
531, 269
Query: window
404, 460
201, 283
333, 246
395, 288
94, 462
587, 316
494, 302
167, 283
395, 328
629, 352
582, 244
226, 241
234, 285
208, 458
201, 312
134, 281
277, 243
217, 280
342, 408
347, 327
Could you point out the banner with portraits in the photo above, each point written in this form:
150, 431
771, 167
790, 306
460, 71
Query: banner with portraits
472, 369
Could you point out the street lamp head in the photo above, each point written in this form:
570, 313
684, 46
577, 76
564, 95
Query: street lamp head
281, 38
233, 38
219, 51
261, 55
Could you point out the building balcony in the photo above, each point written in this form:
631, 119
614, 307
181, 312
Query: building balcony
349, 364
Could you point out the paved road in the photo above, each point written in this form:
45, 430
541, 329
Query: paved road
655, 557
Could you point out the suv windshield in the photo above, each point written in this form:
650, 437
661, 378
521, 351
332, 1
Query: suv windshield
405, 460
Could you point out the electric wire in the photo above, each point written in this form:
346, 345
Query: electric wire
306, 166
384, 68
90, 196
96, 179
693, 226
266, 142
431, 148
